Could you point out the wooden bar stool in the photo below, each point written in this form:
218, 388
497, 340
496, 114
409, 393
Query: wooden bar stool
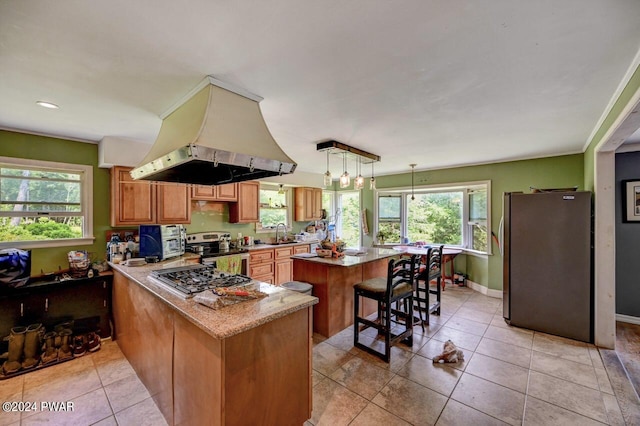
396, 287
430, 271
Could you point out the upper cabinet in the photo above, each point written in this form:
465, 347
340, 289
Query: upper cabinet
246, 209
227, 192
144, 202
308, 204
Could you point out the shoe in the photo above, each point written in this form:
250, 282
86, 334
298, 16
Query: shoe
32, 344
16, 346
79, 347
64, 351
93, 342
49, 352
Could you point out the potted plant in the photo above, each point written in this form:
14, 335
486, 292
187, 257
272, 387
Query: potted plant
381, 236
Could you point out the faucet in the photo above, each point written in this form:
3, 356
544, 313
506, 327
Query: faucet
278, 227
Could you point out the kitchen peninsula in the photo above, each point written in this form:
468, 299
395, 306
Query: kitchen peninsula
333, 281
249, 363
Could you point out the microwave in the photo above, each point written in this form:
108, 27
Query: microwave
163, 241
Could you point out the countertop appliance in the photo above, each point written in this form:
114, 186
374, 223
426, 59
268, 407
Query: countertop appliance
213, 245
187, 281
547, 263
163, 241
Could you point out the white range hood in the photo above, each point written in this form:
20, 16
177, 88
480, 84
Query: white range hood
217, 136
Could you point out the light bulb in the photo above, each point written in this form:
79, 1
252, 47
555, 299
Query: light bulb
327, 179
372, 183
345, 180
358, 183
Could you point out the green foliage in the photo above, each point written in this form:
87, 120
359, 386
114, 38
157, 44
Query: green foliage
436, 218
350, 213
42, 228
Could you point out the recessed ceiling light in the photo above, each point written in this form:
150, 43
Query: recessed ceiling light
47, 105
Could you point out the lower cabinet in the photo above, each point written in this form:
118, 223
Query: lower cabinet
261, 265
196, 379
86, 301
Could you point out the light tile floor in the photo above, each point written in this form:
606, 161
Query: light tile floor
103, 387
509, 376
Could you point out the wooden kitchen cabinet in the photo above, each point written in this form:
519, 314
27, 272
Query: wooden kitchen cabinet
261, 265
144, 202
227, 192
246, 209
308, 204
283, 265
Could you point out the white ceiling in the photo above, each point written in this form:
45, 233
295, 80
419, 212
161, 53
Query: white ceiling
437, 83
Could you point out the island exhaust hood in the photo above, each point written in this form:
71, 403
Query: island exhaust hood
217, 136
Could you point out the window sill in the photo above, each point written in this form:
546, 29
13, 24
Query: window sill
48, 243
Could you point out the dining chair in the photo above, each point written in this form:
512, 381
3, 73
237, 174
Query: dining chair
390, 292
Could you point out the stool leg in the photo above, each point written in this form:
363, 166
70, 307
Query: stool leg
356, 308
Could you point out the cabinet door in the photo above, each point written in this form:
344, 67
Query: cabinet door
132, 202
174, 203
284, 271
246, 209
317, 203
227, 192
203, 192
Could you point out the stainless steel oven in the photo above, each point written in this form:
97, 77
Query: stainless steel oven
244, 269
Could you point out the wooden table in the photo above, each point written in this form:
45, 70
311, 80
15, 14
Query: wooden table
448, 254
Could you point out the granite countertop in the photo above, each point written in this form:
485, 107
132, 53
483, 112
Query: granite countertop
371, 255
230, 320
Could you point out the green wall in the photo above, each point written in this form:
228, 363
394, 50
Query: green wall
59, 150
551, 172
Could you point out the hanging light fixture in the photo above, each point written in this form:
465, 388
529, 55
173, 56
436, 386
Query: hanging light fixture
358, 183
327, 176
412, 170
345, 179
281, 190
372, 181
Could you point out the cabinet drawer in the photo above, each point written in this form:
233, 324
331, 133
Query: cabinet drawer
301, 249
261, 269
265, 279
261, 256
283, 253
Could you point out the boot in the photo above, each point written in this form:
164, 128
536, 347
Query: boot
50, 352
65, 350
31, 345
16, 345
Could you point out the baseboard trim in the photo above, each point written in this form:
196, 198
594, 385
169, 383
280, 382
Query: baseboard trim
628, 318
484, 290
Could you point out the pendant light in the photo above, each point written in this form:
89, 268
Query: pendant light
372, 181
281, 190
358, 183
327, 176
412, 187
345, 179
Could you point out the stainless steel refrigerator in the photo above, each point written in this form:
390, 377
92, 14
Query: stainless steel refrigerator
547, 263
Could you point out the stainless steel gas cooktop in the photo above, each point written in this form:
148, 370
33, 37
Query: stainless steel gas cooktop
186, 281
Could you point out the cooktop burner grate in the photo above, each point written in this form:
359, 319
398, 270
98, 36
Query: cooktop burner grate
189, 280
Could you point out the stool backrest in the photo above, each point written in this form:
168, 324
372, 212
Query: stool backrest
399, 272
434, 262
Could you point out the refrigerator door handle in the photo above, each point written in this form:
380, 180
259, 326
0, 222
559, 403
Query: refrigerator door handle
501, 236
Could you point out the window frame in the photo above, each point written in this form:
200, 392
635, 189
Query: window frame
465, 187
289, 200
86, 202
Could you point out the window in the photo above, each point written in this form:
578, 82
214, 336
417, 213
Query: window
328, 204
348, 223
45, 204
274, 207
454, 215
